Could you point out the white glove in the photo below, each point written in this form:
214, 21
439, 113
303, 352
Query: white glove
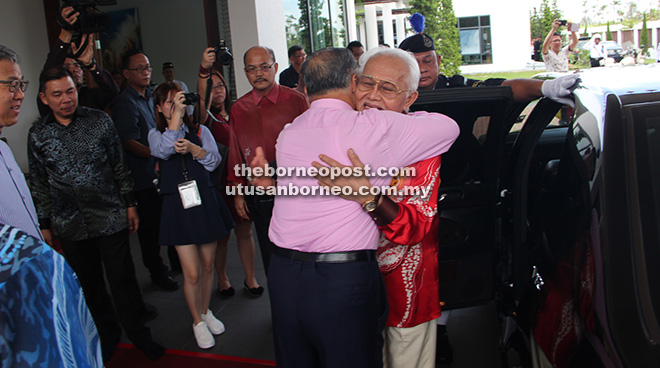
558, 89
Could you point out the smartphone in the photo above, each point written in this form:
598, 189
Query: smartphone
575, 27
562, 22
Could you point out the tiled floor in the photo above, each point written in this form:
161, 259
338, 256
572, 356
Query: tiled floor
473, 332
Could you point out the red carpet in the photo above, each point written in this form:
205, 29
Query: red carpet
127, 356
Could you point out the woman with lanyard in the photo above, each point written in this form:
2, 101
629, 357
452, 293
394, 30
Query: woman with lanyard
193, 217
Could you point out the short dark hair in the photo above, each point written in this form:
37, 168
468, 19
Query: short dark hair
52, 74
270, 51
126, 58
354, 44
293, 49
556, 34
8, 54
327, 69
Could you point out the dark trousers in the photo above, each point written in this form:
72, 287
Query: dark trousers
327, 314
261, 211
148, 230
88, 258
595, 62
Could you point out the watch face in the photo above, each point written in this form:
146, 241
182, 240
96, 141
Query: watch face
370, 206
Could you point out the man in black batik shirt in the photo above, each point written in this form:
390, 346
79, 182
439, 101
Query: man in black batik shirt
81, 185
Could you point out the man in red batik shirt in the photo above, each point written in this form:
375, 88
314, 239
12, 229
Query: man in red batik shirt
256, 120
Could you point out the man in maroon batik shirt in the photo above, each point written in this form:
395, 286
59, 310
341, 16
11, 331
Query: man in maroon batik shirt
256, 120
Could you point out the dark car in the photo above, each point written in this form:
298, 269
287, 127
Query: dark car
557, 220
614, 51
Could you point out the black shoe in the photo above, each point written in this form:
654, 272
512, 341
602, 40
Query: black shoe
151, 349
226, 293
443, 351
254, 291
165, 282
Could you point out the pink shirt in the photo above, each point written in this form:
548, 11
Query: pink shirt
326, 223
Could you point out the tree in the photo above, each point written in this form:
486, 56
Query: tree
442, 26
540, 21
319, 28
644, 38
608, 34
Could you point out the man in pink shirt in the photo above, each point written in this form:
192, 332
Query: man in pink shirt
328, 300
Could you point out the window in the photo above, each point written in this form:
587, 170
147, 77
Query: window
474, 33
314, 24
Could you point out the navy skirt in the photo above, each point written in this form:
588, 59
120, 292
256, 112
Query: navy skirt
203, 224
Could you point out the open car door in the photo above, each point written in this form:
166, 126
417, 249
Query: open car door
470, 204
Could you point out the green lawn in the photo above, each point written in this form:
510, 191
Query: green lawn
506, 75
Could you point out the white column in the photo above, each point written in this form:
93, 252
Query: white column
388, 31
261, 23
371, 24
654, 38
351, 26
362, 33
636, 37
400, 29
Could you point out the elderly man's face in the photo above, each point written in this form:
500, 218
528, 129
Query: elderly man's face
428, 67
10, 102
383, 85
138, 74
260, 69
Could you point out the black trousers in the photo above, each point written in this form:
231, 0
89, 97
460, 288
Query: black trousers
595, 62
148, 231
261, 211
327, 314
89, 258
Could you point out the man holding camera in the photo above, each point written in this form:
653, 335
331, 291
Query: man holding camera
106, 89
554, 56
256, 120
81, 185
133, 115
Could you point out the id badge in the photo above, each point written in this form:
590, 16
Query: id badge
189, 194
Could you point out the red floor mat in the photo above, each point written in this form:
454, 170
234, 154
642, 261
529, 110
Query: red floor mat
127, 356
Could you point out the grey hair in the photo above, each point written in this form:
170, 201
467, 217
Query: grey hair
328, 69
405, 56
8, 54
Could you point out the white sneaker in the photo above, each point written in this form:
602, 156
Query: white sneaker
214, 325
203, 336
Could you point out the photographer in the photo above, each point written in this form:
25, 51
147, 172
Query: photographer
193, 216
554, 56
61, 55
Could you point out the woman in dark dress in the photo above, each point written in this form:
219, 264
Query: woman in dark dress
216, 118
193, 217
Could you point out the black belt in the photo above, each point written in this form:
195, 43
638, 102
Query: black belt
334, 257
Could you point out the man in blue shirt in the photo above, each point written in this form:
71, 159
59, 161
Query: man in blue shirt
133, 115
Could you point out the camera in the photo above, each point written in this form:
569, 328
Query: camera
90, 19
223, 54
191, 98
562, 22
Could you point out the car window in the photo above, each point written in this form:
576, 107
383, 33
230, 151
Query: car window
561, 119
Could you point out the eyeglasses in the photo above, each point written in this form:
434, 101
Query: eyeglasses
72, 65
263, 68
142, 69
219, 86
388, 89
15, 84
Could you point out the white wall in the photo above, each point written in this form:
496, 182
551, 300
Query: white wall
510, 34
23, 30
172, 30
256, 22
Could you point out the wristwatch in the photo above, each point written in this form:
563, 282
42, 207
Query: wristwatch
371, 205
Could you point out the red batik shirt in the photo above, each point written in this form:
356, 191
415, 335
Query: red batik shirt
256, 121
408, 250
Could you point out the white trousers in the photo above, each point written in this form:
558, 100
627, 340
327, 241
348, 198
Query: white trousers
412, 347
